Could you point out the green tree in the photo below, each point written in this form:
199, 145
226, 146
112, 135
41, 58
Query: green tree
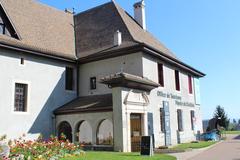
234, 121
239, 121
221, 115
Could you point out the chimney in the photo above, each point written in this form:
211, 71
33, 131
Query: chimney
117, 38
139, 13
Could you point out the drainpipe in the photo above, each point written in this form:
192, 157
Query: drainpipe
54, 124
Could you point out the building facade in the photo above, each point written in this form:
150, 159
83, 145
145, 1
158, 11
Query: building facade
101, 79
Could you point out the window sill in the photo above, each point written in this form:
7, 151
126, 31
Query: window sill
70, 91
179, 92
20, 113
190, 94
181, 132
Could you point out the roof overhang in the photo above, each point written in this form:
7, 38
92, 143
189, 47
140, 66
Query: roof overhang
129, 81
38, 52
87, 104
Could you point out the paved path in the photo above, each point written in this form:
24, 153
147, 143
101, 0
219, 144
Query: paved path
225, 150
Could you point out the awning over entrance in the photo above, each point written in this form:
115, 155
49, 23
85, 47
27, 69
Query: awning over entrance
130, 81
94, 103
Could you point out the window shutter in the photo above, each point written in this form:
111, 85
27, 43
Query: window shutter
190, 84
177, 80
180, 120
160, 74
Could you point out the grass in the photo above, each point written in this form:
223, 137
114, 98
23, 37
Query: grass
231, 132
119, 156
201, 144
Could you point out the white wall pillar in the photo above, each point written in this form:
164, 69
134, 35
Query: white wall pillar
128, 132
73, 136
118, 126
94, 133
145, 124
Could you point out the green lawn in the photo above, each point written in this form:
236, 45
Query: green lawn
119, 156
231, 132
201, 144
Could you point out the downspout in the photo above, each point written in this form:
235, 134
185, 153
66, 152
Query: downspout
54, 124
77, 64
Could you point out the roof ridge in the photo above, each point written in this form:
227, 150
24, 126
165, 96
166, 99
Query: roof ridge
120, 9
50, 7
85, 11
117, 8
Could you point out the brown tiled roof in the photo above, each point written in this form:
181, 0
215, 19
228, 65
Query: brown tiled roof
91, 103
40, 28
102, 22
140, 35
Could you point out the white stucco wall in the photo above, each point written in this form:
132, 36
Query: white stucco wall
46, 91
131, 63
150, 71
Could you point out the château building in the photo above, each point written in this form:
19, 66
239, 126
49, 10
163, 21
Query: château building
97, 76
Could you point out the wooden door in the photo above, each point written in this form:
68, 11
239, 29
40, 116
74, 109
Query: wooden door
136, 132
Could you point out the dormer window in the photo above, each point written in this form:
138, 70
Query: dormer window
2, 28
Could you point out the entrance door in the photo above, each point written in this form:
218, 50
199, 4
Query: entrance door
136, 132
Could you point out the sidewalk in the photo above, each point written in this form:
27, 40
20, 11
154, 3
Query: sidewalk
227, 150
190, 154
224, 150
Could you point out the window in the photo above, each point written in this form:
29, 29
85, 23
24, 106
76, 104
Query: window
160, 75
177, 80
22, 61
93, 84
2, 28
20, 104
179, 119
162, 120
192, 114
190, 88
69, 82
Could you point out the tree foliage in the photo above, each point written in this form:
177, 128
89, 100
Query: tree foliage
222, 117
234, 121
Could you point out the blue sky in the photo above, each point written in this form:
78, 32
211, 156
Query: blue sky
202, 33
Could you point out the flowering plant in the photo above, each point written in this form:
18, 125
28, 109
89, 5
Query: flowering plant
4, 148
39, 149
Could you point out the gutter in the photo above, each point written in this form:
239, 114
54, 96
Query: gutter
39, 53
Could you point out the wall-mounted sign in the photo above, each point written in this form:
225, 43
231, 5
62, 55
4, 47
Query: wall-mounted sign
187, 104
169, 95
178, 99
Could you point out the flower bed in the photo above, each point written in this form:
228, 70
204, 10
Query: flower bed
52, 149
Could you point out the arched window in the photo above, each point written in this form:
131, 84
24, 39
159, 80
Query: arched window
84, 133
66, 129
105, 133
